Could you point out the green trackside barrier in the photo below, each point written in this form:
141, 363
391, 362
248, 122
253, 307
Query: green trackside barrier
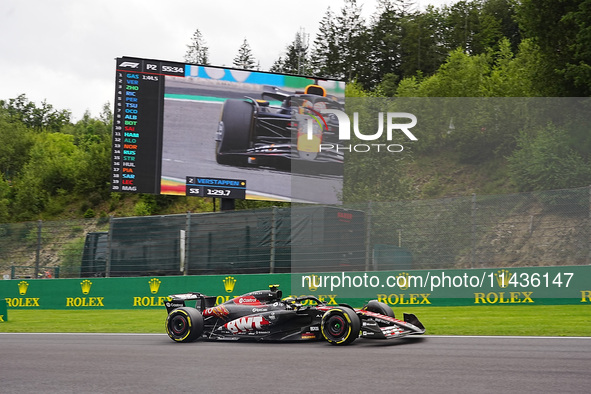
128, 293
524, 286
492, 286
3, 312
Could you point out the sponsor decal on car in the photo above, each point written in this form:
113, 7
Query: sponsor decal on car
246, 300
246, 324
219, 311
392, 331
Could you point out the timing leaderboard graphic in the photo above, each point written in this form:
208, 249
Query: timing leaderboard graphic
137, 124
232, 128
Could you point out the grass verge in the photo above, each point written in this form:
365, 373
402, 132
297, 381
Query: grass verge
538, 320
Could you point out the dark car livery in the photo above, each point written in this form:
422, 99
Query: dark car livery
264, 316
279, 128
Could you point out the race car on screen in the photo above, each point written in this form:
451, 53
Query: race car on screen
273, 133
264, 316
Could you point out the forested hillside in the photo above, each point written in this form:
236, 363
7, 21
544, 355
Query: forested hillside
52, 167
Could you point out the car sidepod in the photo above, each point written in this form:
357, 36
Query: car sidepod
270, 325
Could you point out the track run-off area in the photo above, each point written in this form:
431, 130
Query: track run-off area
152, 363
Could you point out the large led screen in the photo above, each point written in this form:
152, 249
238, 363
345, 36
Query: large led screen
207, 131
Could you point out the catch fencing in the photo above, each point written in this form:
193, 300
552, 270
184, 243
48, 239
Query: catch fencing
545, 228
549, 228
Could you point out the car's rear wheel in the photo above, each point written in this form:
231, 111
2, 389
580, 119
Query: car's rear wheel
379, 307
234, 131
184, 324
340, 326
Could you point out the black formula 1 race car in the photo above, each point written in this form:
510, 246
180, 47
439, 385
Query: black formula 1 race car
265, 316
255, 132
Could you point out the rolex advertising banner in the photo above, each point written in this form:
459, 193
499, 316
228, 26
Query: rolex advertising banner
527, 286
531, 285
128, 293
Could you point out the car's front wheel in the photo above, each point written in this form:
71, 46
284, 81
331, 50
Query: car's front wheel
184, 324
340, 326
233, 134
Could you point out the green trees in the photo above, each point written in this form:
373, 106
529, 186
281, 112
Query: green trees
16, 139
46, 161
562, 32
485, 49
500, 52
496, 73
21, 110
296, 59
92, 137
52, 170
550, 41
197, 51
545, 142
325, 52
545, 160
341, 45
4, 200
245, 59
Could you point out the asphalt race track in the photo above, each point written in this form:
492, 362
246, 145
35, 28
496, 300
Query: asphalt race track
114, 363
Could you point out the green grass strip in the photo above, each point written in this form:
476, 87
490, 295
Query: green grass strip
523, 320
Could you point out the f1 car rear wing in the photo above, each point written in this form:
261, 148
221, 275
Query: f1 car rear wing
202, 301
